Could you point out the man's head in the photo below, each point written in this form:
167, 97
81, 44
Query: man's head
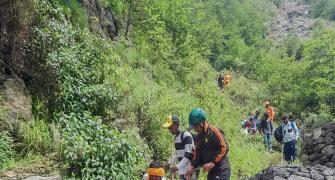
267, 104
284, 119
172, 123
257, 113
196, 119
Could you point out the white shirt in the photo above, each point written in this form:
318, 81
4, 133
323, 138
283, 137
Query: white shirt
290, 132
180, 153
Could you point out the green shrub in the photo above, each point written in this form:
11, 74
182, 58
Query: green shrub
6, 148
36, 136
96, 151
311, 120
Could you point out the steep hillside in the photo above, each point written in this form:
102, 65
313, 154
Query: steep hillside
94, 80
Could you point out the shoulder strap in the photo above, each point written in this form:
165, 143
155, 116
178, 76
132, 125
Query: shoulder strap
182, 136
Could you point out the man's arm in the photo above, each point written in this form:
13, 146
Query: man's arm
219, 141
296, 130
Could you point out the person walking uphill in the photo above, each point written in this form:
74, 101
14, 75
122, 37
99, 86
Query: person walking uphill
290, 136
211, 148
227, 78
184, 145
271, 114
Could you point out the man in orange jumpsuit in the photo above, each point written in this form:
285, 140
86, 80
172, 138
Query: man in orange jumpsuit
227, 79
271, 113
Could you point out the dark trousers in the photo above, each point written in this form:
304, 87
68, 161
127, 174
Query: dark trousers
218, 173
290, 151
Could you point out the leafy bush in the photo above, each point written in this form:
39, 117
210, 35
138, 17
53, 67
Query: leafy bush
94, 150
6, 148
36, 136
311, 120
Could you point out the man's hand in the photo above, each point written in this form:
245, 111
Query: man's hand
174, 169
207, 167
189, 171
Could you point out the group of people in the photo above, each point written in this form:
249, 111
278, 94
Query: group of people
208, 150
286, 133
224, 80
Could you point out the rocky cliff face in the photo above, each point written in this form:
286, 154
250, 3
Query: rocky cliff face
15, 96
293, 18
319, 146
101, 19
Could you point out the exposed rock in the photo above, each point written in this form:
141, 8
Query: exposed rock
315, 156
329, 150
317, 133
101, 19
293, 19
56, 177
15, 99
330, 178
294, 177
317, 172
322, 150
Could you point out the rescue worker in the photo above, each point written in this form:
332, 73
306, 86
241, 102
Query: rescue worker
227, 80
271, 114
211, 148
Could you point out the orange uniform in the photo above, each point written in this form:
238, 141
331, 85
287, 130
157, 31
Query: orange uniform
227, 79
271, 113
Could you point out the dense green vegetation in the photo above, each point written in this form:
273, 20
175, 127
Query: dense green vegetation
323, 8
109, 98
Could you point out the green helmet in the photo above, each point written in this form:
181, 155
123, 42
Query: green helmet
196, 116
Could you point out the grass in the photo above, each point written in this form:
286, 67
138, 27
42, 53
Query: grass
36, 136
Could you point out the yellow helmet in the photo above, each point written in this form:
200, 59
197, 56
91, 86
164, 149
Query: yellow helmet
170, 120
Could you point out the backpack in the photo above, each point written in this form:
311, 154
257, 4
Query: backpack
278, 134
243, 123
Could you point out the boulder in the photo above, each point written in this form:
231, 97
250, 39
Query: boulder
315, 156
317, 133
328, 172
16, 103
316, 175
294, 177
330, 140
329, 150
320, 140
306, 175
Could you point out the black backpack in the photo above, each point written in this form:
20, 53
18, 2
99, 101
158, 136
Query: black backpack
278, 134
